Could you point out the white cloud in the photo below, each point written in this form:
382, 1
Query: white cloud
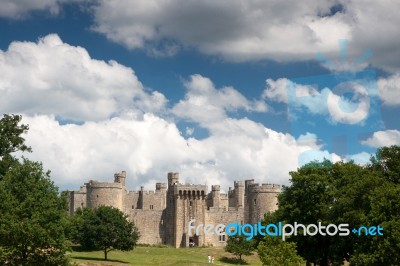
389, 90
254, 30
297, 96
375, 27
122, 129
348, 111
243, 30
361, 158
330, 102
52, 77
237, 30
18, 9
383, 138
204, 103
150, 147
189, 131
277, 90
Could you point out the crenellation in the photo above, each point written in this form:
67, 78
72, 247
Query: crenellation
162, 215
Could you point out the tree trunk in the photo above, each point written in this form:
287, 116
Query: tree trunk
105, 254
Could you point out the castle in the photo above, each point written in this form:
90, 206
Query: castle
162, 216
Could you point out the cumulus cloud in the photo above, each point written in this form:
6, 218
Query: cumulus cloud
204, 103
18, 9
330, 102
254, 30
244, 30
238, 30
277, 90
53, 77
150, 147
389, 90
375, 27
361, 158
383, 138
122, 129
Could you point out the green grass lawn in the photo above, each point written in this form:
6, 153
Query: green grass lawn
159, 256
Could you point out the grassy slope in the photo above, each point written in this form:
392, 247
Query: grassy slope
158, 256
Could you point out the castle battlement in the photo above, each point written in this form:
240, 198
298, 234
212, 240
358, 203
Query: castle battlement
255, 187
95, 184
238, 184
162, 215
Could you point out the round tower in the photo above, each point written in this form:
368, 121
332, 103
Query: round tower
261, 199
102, 193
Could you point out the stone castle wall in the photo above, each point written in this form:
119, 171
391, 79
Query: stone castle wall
102, 193
162, 215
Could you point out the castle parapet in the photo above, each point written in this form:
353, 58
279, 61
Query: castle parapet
264, 188
120, 178
191, 191
215, 187
161, 186
238, 184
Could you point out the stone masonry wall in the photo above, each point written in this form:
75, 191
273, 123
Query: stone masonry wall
162, 216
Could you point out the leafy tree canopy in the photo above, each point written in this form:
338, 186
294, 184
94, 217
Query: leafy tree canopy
32, 216
275, 252
344, 192
11, 140
104, 228
239, 246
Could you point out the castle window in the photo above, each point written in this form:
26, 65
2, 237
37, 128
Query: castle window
190, 203
151, 207
97, 196
133, 206
222, 238
255, 201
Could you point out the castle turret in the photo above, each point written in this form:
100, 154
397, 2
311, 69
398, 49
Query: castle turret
260, 200
103, 193
173, 178
120, 178
239, 193
215, 195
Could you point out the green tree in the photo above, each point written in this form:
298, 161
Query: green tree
11, 140
330, 194
104, 228
32, 216
308, 201
385, 211
239, 246
387, 162
275, 252
348, 193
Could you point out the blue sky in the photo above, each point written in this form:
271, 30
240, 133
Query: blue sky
215, 90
